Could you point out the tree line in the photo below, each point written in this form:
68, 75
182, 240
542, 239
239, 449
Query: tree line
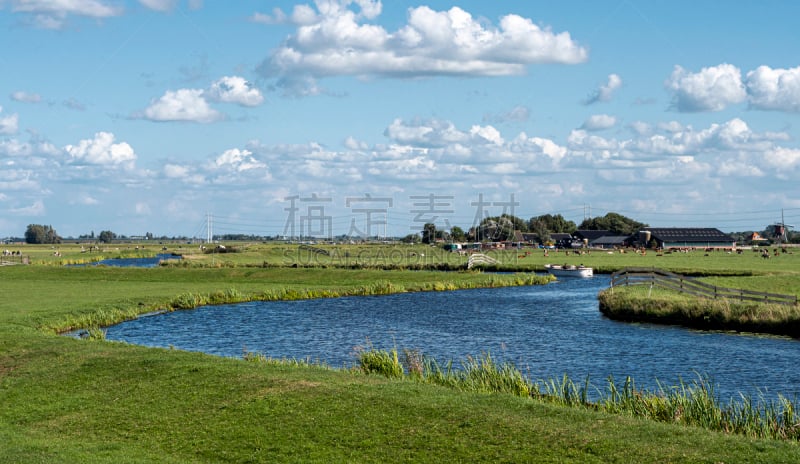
39, 234
503, 228
494, 228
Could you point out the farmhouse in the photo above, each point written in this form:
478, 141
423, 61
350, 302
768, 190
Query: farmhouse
561, 240
600, 238
610, 241
677, 237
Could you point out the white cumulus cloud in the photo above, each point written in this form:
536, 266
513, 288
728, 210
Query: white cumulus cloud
430, 133
238, 160
26, 97
235, 89
337, 40
783, 158
86, 199
182, 105
175, 171
712, 89
101, 150
36, 209
354, 144
598, 122
50, 14
184, 173
487, 133
774, 89
159, 5
605, 92
276, 17
13, 147
9, 125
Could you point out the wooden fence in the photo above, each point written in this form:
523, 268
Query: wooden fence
477, 259
691, 286
9, 260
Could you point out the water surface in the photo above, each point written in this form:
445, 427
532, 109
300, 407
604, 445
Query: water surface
133, 262
547, 331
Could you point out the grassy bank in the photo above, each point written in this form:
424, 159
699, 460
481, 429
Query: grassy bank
59, 299
693, 403
640, 303
68, 400
105, 402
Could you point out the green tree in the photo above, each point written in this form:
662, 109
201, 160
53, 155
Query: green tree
429, 233
614, 222
551, 224
39, 234
106, 236
457, 234
540, 230
500, 228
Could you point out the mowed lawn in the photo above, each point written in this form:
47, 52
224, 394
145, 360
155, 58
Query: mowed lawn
69, 400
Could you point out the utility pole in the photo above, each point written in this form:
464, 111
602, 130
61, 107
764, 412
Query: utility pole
209, 225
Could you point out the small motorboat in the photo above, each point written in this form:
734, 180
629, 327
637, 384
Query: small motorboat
569, 270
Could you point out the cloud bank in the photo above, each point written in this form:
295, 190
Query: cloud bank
334, 39
717, 87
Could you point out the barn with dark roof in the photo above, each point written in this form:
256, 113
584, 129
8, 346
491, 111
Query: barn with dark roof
678, 237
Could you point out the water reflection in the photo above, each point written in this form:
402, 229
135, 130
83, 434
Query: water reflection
133, 262
547, 331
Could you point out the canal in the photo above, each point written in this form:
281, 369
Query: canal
546, 331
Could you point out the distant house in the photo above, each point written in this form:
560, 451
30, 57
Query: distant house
610, 241
591, 235
756, 239
677, 237
529, 237
561, 240
600, 238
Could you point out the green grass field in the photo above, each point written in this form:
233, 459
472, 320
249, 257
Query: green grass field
68, 400
400, 255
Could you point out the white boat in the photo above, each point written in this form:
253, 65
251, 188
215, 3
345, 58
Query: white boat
569, 270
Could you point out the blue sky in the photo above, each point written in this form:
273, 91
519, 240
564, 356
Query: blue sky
340, 116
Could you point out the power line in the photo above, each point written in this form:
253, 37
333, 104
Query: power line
401, 222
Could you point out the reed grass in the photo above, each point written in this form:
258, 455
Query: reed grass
260, 358
690, 404
95, 333
386, 363
104, 317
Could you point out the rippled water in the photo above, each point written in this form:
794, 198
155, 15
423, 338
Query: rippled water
134, 262
546, 331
